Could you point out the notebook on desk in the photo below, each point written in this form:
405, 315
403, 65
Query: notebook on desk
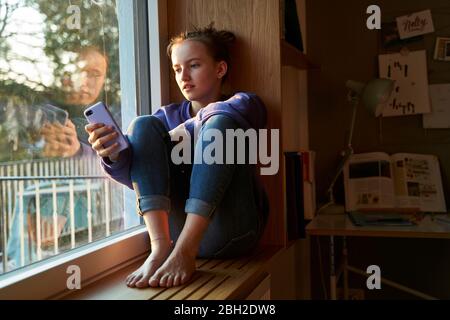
361, 219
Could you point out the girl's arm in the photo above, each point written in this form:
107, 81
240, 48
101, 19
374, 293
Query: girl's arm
119, 170
245, 108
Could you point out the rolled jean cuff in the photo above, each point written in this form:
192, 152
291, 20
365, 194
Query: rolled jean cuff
199, 207
154, 202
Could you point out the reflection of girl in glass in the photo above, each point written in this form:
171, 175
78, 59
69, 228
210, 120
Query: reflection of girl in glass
82, 88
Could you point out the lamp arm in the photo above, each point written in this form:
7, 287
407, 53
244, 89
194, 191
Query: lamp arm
348, 150
355, 101
345, 155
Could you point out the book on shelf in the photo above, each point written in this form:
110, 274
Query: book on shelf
402, 181
300, 191
291, 30
309, 183
295, 221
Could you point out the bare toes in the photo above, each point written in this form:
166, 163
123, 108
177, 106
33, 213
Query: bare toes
154, 281
176, 280
143, 282
184, 278
130, 278
163, 280
135, 280
133, 275
169, 281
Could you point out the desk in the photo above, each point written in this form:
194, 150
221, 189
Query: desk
341, 226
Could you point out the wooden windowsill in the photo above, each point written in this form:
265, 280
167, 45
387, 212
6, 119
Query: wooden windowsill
213, 280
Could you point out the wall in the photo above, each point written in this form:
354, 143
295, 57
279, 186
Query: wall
339, 41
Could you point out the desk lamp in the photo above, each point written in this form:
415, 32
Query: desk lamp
373, 95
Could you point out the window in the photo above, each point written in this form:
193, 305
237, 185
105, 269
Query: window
57, 58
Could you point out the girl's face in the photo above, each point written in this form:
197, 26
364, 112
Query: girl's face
87, 82
198, 76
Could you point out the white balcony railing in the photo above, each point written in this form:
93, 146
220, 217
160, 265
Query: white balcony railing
50, 206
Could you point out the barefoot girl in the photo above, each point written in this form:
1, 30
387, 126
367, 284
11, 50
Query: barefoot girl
215, 210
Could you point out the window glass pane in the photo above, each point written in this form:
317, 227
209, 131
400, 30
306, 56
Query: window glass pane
56, 59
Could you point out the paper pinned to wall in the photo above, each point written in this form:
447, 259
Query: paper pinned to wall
439, 118
409, 71
415, 24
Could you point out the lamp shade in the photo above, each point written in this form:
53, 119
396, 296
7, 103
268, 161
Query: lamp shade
374, 94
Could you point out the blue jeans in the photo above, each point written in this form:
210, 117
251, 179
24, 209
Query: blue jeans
222, 192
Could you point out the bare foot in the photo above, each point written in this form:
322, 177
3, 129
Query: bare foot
140, 277
177, 270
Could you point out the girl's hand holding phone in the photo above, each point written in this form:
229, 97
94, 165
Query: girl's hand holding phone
60, 141
99, 134
104, 133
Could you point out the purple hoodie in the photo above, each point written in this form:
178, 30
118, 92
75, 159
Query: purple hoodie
245, 108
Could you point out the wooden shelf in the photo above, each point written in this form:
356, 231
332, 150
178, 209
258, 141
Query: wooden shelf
291, 56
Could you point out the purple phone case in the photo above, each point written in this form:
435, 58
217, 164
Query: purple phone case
101, 114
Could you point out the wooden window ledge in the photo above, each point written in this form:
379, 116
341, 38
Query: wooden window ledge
213, 280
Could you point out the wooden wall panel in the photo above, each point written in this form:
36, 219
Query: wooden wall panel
255, 67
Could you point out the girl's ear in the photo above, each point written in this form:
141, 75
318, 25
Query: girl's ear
222, 69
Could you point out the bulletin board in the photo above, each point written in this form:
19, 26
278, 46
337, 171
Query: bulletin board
416, 39
340, 30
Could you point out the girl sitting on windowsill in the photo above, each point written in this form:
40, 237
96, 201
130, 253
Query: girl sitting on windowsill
197, 209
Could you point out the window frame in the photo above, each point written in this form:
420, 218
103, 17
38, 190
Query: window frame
140, 51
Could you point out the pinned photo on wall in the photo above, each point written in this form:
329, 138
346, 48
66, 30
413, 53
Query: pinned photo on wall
409, 71
442, 49
415, 24
439, 118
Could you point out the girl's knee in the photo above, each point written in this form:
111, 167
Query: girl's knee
144, 126
220, 121
142, 123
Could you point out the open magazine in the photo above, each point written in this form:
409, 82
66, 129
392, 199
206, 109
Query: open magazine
401, 181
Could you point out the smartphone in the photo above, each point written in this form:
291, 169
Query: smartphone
49, 115
55, 114
99, 113
61, 115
